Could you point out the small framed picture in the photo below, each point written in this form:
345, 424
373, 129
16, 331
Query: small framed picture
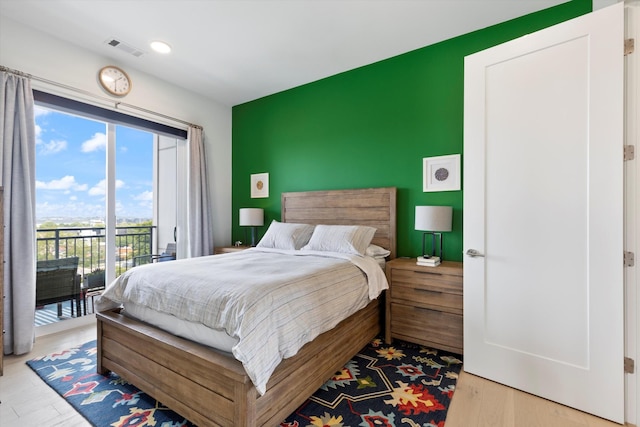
259, 185
441, 173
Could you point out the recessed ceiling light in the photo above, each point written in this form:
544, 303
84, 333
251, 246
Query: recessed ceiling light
160, 47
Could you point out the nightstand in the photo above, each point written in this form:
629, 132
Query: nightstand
228, 249
424, 304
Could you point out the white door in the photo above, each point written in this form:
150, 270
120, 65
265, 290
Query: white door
543, 206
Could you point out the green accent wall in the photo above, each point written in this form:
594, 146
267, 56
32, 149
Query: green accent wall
370, 127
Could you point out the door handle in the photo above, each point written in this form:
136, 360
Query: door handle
474, 253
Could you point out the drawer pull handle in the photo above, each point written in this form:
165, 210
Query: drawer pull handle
427, 272
427, 290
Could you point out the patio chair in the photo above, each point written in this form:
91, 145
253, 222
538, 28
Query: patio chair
93, 286
169, 254
57, 281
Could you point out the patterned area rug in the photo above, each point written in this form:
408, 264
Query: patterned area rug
398, 385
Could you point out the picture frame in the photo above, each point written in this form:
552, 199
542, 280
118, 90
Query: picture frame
441, 173
259, 185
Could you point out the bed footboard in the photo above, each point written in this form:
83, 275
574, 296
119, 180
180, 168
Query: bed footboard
211, 388
193, 380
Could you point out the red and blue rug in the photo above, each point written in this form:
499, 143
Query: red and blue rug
399, 385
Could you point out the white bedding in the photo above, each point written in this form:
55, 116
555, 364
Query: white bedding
282, 299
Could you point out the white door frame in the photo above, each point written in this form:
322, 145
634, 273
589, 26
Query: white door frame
632, 211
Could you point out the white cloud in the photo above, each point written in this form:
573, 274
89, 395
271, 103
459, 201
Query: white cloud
38, 133
145, 196
100, 189
70, 209
97, 142
145, 200
66, 183
39, 111
53, 147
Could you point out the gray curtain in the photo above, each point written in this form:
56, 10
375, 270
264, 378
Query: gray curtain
17, 171
199, 229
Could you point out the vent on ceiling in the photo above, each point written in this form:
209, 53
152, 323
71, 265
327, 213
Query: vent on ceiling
118, 44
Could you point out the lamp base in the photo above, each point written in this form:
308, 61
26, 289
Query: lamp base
429, 254
253, 237
252, 241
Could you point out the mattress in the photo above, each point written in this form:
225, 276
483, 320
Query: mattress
194, 331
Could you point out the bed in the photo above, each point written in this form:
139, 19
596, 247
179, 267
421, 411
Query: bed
209, 387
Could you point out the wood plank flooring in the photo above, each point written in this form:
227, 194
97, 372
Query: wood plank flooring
28, 402
478, 402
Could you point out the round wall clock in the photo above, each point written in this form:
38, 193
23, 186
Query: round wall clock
114, 80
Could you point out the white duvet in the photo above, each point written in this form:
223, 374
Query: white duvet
272, 301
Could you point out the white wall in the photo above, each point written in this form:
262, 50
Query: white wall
31, 51
599, 4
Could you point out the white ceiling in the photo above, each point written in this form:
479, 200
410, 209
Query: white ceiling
235, 51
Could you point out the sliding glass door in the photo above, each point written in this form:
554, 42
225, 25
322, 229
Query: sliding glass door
70, 210
106, 194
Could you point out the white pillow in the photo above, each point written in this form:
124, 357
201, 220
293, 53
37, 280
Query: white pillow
350, 239
377, 251
285, 235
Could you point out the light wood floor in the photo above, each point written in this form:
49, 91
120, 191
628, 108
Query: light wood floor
482, 403
27, 401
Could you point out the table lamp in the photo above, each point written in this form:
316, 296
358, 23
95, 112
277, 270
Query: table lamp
433, 220
252, 217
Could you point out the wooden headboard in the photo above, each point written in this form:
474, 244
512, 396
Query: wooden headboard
375, 207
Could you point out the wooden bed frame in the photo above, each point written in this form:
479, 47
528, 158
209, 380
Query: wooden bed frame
211, 388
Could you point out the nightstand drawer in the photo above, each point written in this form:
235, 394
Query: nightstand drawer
419, 294
434, 280
428, 327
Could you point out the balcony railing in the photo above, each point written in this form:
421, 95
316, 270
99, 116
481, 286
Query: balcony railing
88, 244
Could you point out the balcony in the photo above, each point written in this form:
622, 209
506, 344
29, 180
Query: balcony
88, 244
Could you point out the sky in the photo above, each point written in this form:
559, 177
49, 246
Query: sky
70, 168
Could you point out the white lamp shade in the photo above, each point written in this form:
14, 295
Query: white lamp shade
434, 218
251, 217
